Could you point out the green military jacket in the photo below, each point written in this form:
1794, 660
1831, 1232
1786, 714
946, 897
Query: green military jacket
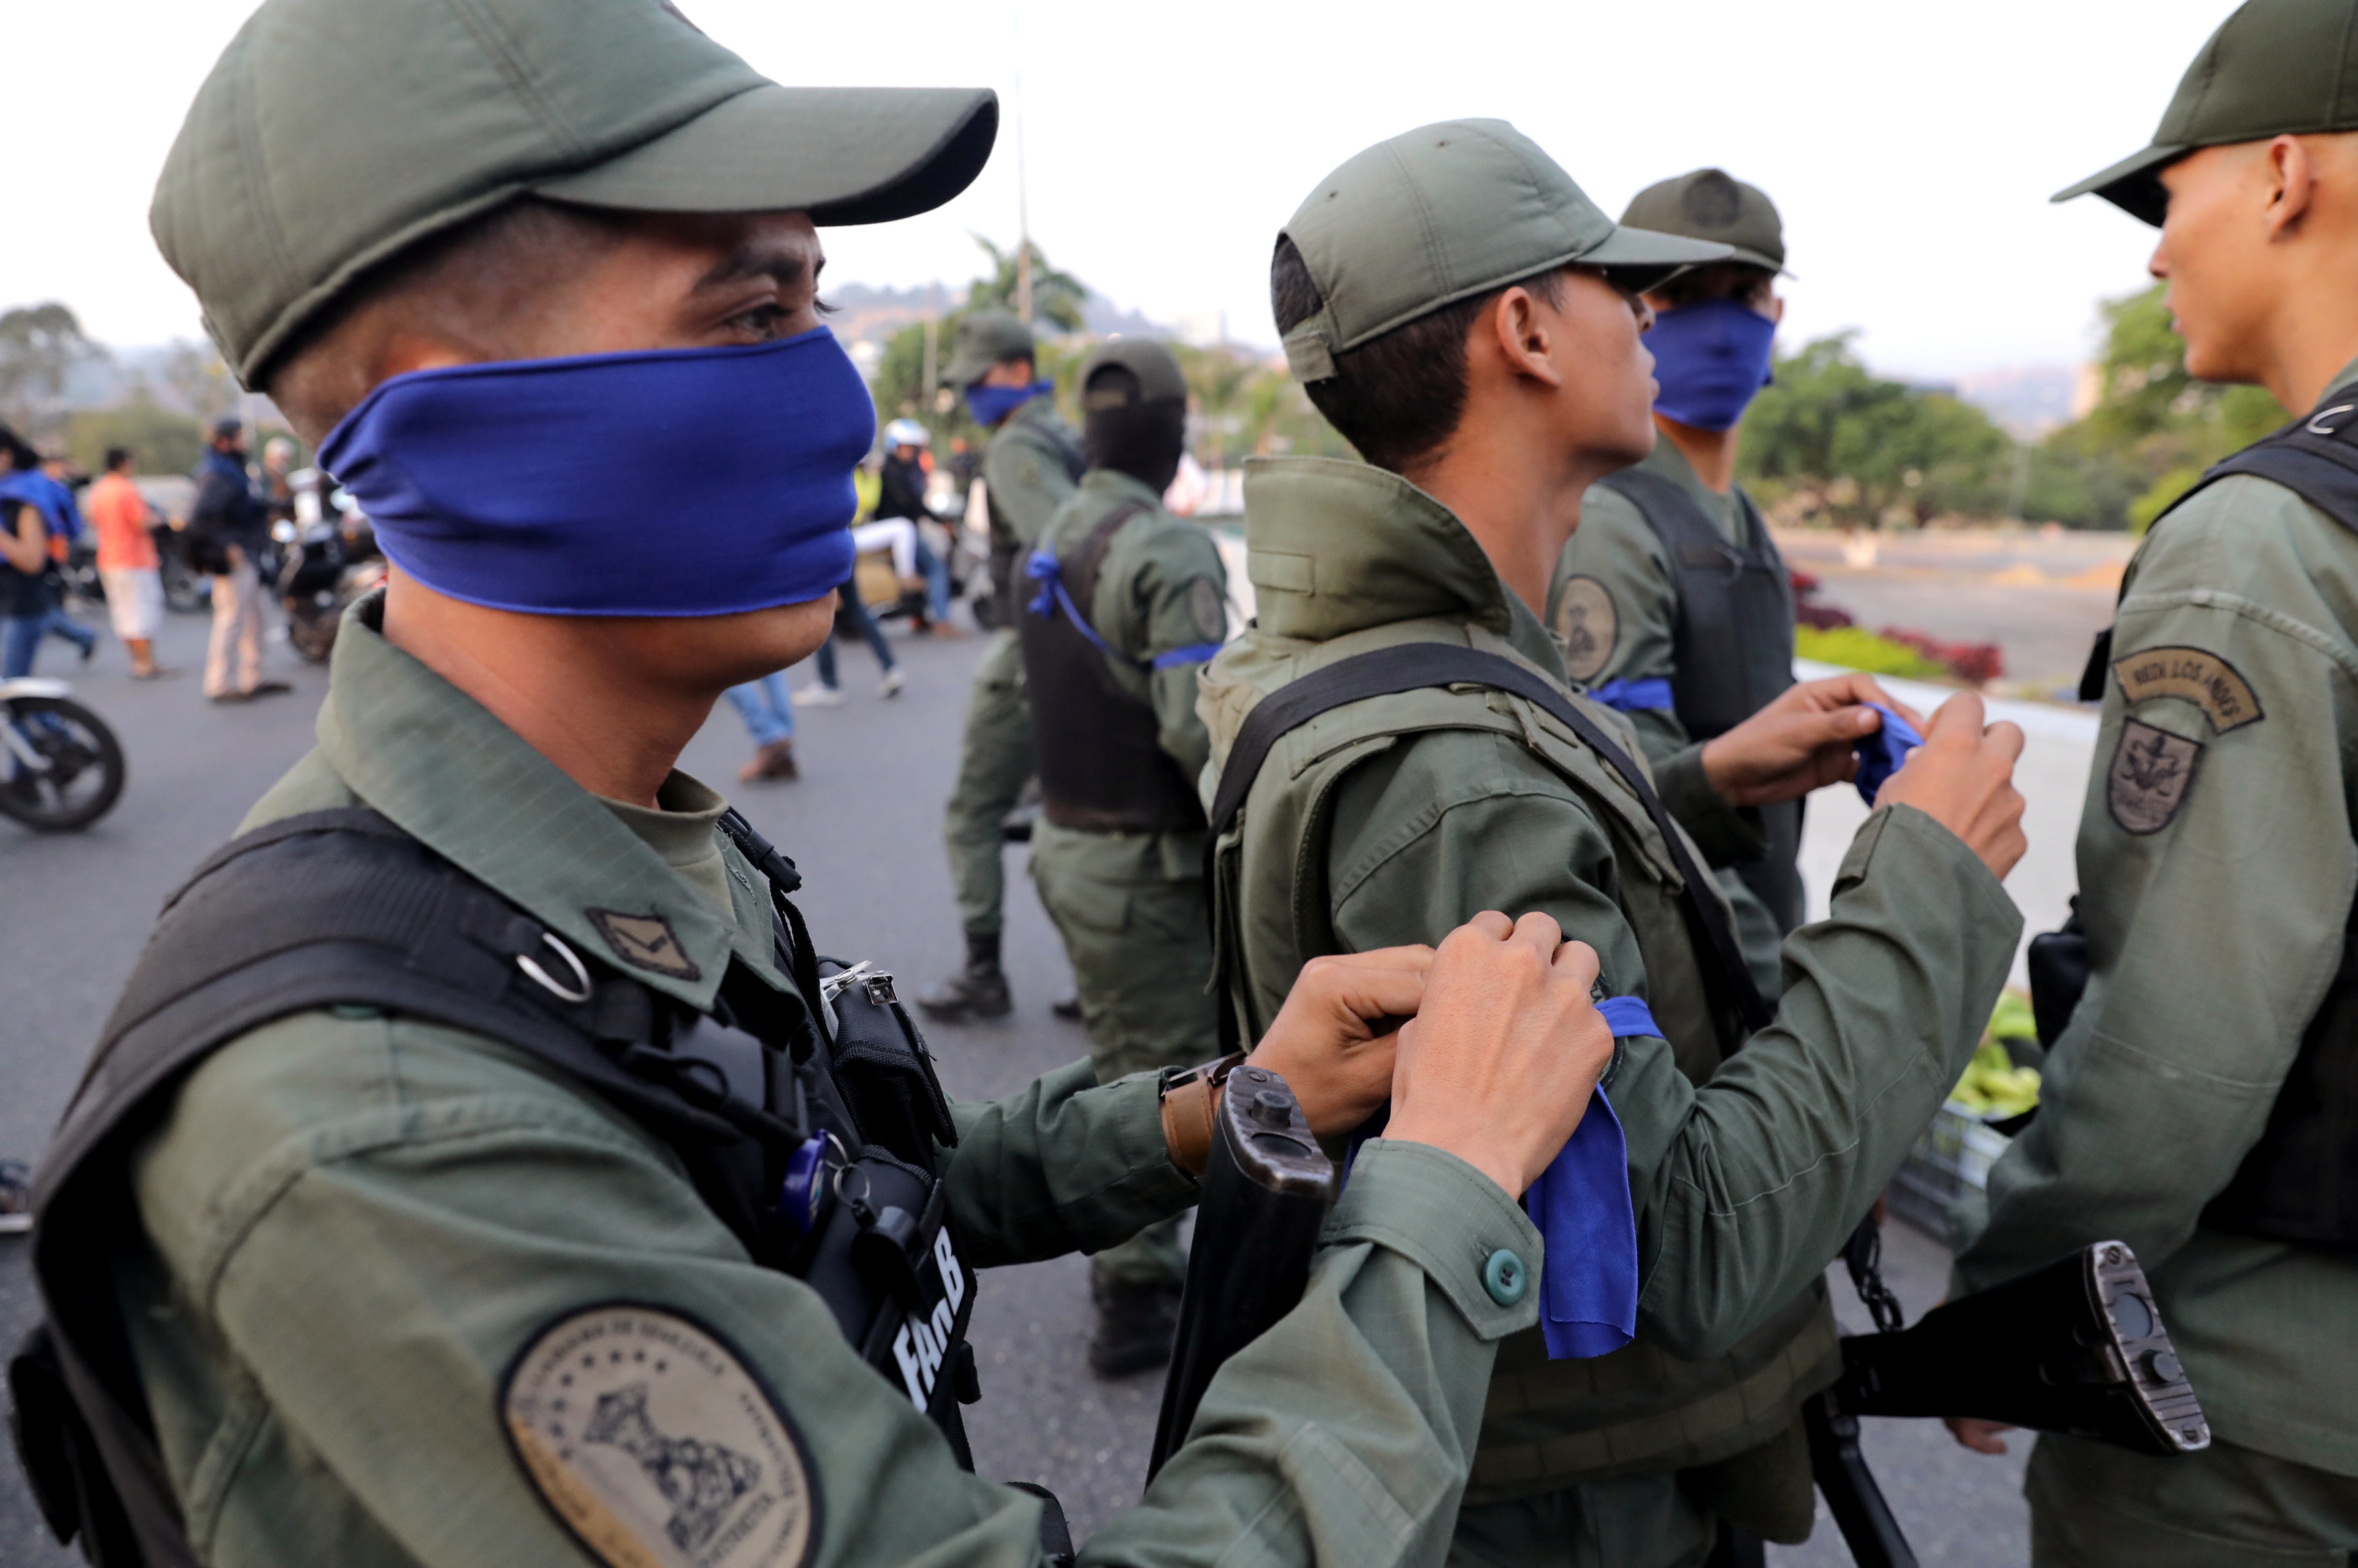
1162, 595
1027, 472
2217, 867
1395, 819
1629, 636
357, 1227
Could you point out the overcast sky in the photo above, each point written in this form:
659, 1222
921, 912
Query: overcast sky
1912, 147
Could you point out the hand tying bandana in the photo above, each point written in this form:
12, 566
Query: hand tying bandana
1580, 1205
989, 405
688, 481
1880, 754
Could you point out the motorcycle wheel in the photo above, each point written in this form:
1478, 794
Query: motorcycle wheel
85, 772
185, 593
315, 640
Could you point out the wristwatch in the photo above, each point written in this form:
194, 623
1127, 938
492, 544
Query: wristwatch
1189, 1098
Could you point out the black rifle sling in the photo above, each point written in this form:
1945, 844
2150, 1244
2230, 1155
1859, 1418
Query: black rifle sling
1413, 665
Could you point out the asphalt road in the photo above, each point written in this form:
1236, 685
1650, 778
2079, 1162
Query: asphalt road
863, 823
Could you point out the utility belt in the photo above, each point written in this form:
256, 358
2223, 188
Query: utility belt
811, 1133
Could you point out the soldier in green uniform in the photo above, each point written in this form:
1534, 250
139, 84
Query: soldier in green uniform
2198, 1105
506, 1272
1469, 319
1131, 602
1672, 601
1029, 469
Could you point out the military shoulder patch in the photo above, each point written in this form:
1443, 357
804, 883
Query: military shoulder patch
2204, 679
1208, 609
1589, 625
2151, 772
646, 940
650, 1438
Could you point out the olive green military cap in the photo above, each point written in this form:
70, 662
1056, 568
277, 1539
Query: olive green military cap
2275, 68
334, 134
1711, 204
986, 338
1156, 368
1446, 212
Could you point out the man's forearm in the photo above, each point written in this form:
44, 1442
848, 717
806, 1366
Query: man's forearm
1746, 1189
1061, 1165
1345, 1434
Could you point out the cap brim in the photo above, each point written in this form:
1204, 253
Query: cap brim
964, 371
2134, 184
844, 155
1640, 258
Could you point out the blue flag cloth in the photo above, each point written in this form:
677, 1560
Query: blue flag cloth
1042, 567
1630, 695
1880, 754
1580, 1205
55, 502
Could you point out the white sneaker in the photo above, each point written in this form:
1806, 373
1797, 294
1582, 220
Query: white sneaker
892, 682
816, 695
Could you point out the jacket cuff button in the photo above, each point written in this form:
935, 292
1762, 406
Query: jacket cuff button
1504, 1277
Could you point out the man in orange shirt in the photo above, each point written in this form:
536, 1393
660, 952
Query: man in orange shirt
120, 516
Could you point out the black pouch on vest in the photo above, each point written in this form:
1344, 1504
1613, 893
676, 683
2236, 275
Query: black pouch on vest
2058, 962
882, 1063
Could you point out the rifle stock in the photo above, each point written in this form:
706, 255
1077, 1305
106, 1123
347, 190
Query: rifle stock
1266, 1189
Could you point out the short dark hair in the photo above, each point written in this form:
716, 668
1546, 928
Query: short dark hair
1396, 398
470, 281
116, 457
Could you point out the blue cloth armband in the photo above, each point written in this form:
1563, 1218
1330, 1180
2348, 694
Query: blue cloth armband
1580, 1205
1193, 653
1880, 754
1045, 569
1631, 696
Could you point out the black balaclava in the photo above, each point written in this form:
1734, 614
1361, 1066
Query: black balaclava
1131, 433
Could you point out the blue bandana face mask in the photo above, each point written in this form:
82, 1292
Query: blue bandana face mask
687, 482
989, 405
1710, 357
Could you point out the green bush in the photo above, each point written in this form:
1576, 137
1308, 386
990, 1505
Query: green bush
1857, 648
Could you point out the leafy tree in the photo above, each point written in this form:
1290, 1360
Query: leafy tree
164, 441
1829, 437
2153, 428
39, 347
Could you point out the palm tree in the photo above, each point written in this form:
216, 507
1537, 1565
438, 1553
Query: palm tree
1056, 297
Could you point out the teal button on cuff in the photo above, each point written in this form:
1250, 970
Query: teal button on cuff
1504, 1277
1450, 1220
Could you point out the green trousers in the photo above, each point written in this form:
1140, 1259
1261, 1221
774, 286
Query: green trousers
2092, 1505
994, 759
1133, 913
1631, 1521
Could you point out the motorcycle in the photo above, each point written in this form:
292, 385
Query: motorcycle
60, 766
329, 558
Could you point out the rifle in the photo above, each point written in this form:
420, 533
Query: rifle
2077, 1347
1266, 1190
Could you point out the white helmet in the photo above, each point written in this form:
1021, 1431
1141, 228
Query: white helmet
907, 433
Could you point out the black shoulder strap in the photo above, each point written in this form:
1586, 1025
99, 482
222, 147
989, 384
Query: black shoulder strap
1089, 559
327, 908
1413, 665
2315, 458
1692, 537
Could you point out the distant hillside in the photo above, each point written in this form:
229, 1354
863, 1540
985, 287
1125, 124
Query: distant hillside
865, 314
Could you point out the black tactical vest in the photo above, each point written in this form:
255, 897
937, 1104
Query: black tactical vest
1734, 646
1097, 747
811, 1134
2299, 1181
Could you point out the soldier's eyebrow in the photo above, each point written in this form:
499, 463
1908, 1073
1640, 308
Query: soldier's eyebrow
785, 268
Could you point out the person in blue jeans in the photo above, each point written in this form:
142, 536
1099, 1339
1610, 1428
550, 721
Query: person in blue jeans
825, 691
769, 716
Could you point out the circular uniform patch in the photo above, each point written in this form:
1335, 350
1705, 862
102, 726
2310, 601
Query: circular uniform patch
1588, 624
1209, 610
657, 1446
